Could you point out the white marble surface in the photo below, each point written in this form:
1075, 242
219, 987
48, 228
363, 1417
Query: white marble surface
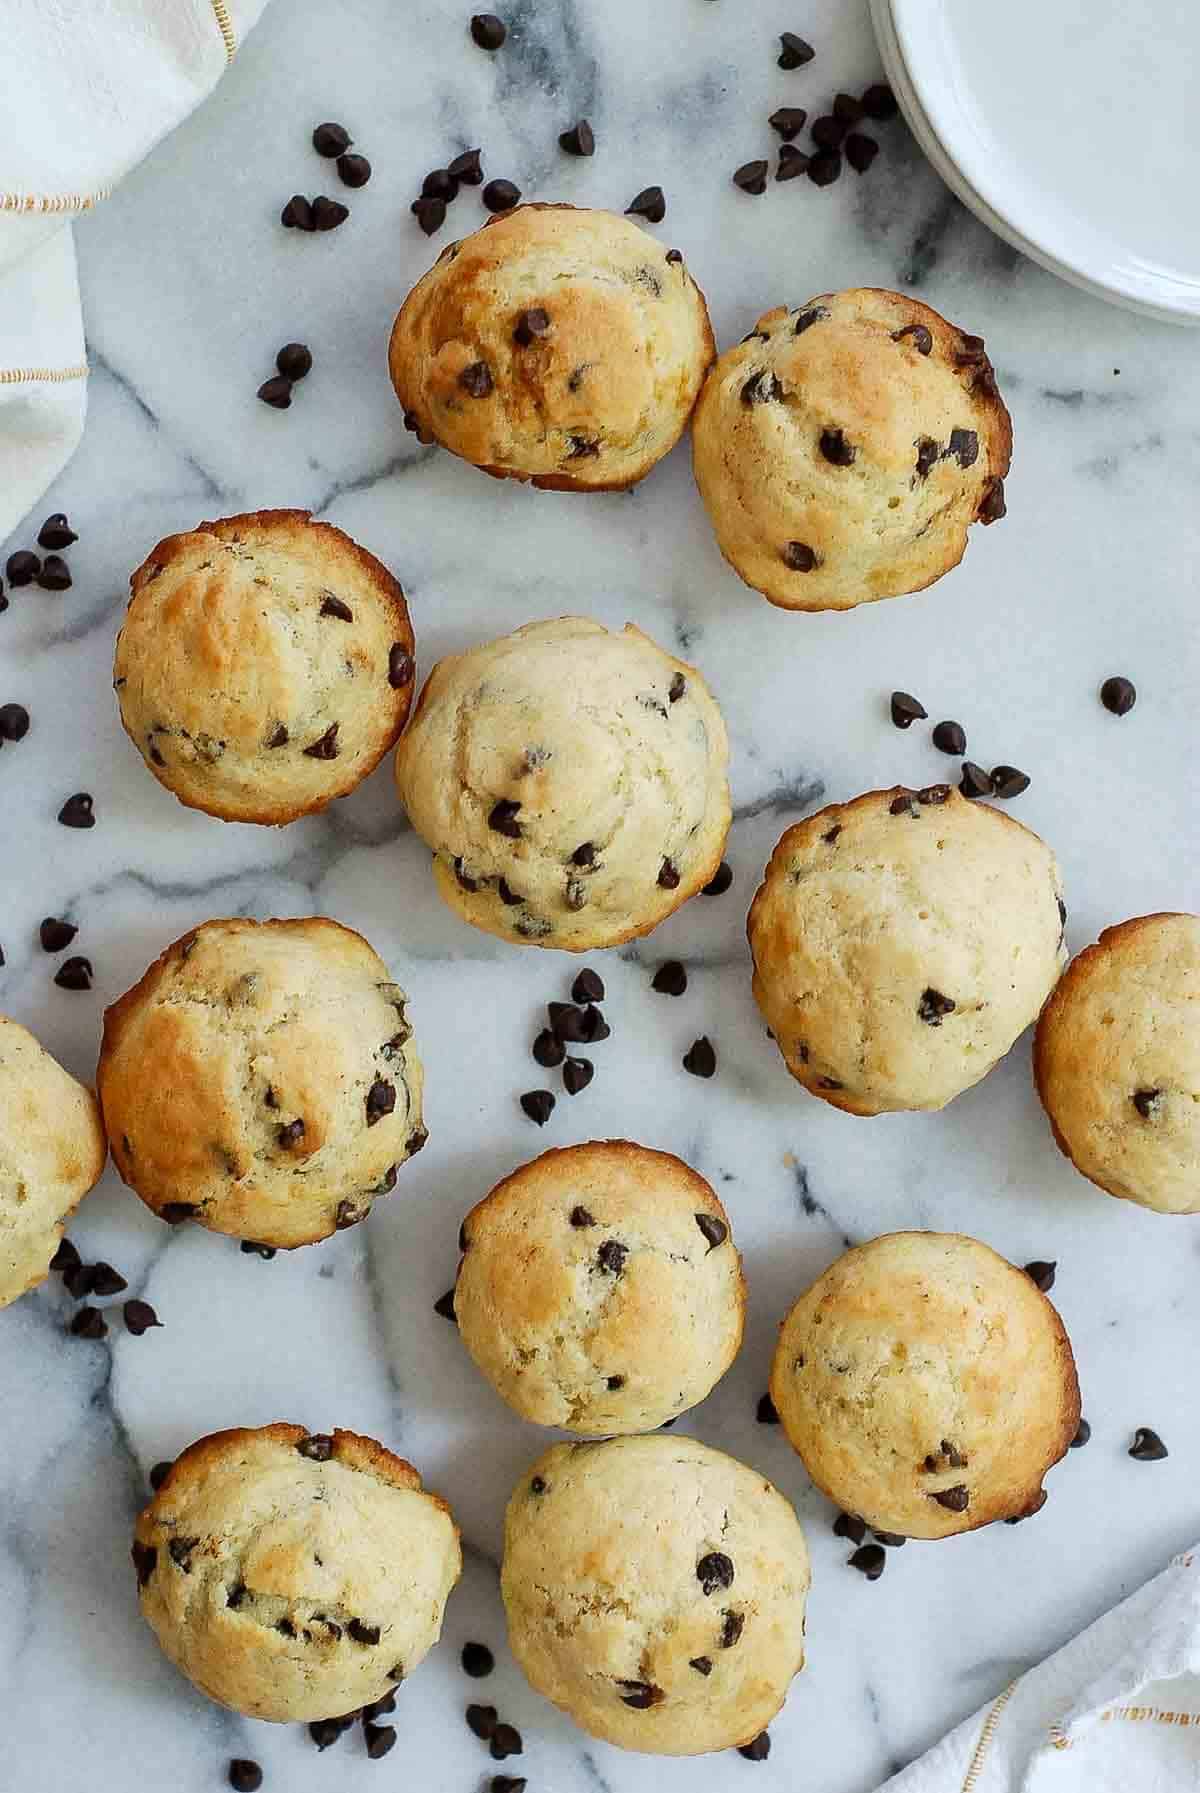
190, 285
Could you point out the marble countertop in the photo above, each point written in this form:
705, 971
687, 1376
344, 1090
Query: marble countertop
190, 285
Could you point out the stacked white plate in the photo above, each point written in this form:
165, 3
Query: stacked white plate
1071, 127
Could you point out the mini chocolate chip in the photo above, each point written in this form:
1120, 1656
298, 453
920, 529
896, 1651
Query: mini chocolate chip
381, 1100
500, 196
793, 51
714, 1571
253, 1248
731, 1630
145, 1556
548, 1049
55, 934
758, 1750
789, 121
649, 204
106, 1280
488, 31
353, 171
327, 747
792, 161
379, 1739
531, 325
333, 606
1147, 1446
65, 1258
906, 709
963, 447
1082, 1435
955, 1500
869, 1560
363, 1633
1147, 1101
78, 811
481, 1720
1008, 781
400, 666
538, 1104
324, 1731
317, 1447
290, 1133
14, 722
139, 1318
430, 214
761, 388
934, 1007
975, 781
828, 131
476, 379
276, 392
79, 1280
1042, 1274
849, 1525
836, 449
74, 974
950, 737
88, 1324
765, 1413
584, 855
700, 1058
823, 169
56, 532
327, 214
175, 1213
611, 1256
503, 819
879, 102
751, 177
466, 169
668, 875
22, 567
992, 506
579, 140
331, 140
860, 151
714, 1230
1118, 695
577, 1074
641, 1695
505, 1741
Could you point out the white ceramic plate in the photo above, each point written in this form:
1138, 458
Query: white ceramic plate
1070, 127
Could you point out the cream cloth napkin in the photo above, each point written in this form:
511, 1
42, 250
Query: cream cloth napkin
87, 88
1117, 1710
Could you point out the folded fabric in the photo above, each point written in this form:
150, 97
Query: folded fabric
88, 88
1117, 1710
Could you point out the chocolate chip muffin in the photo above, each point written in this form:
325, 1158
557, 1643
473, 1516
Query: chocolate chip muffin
265, 665
261, 1078
1116, 1059
294, 1575
571, 783
599, 1288
51, 1153
927, 1384
844, 449
901, 943
561, 346
655, 1592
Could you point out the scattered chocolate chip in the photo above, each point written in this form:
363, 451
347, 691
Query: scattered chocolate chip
700, 1058
327, 747
476, 379
758, 1749
860, 151
889, 1540
145, 1556
334, 606
74, 974
444, 1306
577, 1074
906, 709
963, 447
595, 1027
567, 1021
792, 161
950, 737
835, 448
327, 214
1008, 781
466, 169
55, 574
331, 140
828, 131
823, 169
56, 532
1147, 1446
1118, 695
14, 722
276, 392
934, 1007
439, 183
65, 1258
611, 1256
79, 1280
649, 204
106, 1280
297, 214
139, 1317
507, 1783
354, 171
579, 140
733, 1625
720, 881
55, 934
159, 1474
175, 1213
588, 986
1082, 1435
379, 1740
324, 1731
89, 1324
505, 1741
78, 811
400, 666
22, 567
1042, 1274
992, 506
793, 51
766, 1413
500, 196
1146, 1101
869, 1560
670, 979
714, 1571
481, 1720
430, 214
751, 177
955, 1500
253, 1248
975, 781
538, 1104
789, 121
641, 1695
477, 1661
245, 1776
849, 1525
701, 1664
488, 31
668, 875
548, 1050
714, 1230
879, 102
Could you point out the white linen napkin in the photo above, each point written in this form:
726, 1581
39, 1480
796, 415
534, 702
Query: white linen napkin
87, 88
1117, 1710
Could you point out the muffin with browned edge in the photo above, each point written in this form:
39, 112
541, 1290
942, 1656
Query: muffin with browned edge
557, 345
261, 1078
294, 1575
927, 1384
843, 449
265, 665
1117, 1062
